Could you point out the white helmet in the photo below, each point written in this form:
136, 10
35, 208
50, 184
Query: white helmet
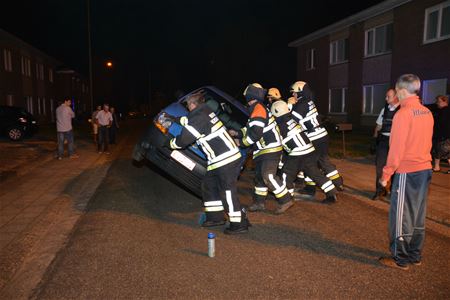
279, 108
297, 87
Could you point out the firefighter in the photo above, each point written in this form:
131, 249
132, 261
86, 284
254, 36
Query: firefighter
262, 132
305, 113
219, 186
301, 153
273, 95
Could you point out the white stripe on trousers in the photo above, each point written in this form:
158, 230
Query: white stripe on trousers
400, 204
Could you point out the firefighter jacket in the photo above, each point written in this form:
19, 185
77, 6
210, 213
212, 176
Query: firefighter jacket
203, 126
295, 141
305, 113
262, 131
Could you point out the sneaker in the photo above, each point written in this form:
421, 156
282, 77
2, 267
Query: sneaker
390, 262
74, 156
59, 157
416, 262
209, 223
257, 206
330, 200
284, 207
100, 152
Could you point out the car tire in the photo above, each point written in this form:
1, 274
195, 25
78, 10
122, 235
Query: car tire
15, 134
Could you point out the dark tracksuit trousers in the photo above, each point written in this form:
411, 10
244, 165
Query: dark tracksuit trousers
219, 189
267, 179
407, 215
307, 163
381, 154
103, 138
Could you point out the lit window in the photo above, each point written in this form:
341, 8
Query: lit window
7, 60
437, 23
379, 40
9, 100
374, 98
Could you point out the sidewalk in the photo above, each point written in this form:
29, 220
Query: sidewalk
39, 205
359, 180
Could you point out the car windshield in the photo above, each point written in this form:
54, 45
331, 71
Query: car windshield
231, 116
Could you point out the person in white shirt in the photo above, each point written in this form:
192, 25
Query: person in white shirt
94, 123
64, 116
104, 121
382, 133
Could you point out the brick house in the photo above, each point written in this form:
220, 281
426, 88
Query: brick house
351, 63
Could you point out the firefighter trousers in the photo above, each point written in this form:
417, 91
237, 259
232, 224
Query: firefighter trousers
219, 192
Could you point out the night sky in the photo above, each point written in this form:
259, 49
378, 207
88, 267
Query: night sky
180, 45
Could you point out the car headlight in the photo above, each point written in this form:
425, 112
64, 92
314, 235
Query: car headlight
162, 123
33, 122
22, 120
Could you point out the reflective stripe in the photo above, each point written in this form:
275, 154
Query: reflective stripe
213, 203
335, 177
291, 191
217, 126
312, 111
213, 208
279, 195
183, 120
248, 141
193, 131
261, 189
296, 152
332, 173
327, 186
173, 144
224, 162
235, 219
235, 213
265, 151
307, 179
256, 123
316, 135
278, 188
301, 175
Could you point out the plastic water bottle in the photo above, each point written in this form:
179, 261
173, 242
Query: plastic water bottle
211, 244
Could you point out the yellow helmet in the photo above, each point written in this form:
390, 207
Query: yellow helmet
297, 87
256, 85
279, 108
274, 93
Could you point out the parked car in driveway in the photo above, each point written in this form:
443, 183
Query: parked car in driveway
187, 166
16, 122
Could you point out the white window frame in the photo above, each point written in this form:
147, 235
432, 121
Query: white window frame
29, 104
39, 105
424, 89
366, 35
10, 100
440, 7
26, 66
371, 113
312, 61
343, 95
7, 60
335, 44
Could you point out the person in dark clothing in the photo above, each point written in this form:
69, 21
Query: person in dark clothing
262, 132
219, 186
301, 153
114, 126
305, 113
382, 133
441, 133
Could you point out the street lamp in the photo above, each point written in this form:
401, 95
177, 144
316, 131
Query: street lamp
109, 64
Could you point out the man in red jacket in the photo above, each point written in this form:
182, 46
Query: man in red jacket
409, 161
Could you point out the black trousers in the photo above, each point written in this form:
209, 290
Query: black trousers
381, 154
112, 134
307, 163
219, 192
268, 179
324, 163
103, 138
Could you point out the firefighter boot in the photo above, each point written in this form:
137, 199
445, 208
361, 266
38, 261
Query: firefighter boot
239, 227
257, 206
330, 199
307, 193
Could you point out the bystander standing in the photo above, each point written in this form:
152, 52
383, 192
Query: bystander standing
104, 121
114, 126
64, 116
441, 134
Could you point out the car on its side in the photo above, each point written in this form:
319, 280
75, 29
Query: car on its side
186, 166
16, 122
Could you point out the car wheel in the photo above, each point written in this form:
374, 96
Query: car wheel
15, 134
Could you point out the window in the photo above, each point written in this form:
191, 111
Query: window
336, 99
433, 88
9, 100
41, 71
44, 107
29, 101
7, 60
339, 51
437, 23
379, 40
25, 66
374, 98
311, 59
50, 75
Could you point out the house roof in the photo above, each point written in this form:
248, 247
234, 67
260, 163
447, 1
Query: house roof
353, 19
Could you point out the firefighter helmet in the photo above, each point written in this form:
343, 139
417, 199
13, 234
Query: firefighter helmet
297, 87
279, 108
256, 85
255, 91
274, 93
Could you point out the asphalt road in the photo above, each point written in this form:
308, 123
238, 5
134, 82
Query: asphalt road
140, 239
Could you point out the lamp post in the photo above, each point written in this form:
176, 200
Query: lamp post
90, 54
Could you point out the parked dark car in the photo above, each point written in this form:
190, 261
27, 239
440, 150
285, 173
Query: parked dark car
16, 122
187, 166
